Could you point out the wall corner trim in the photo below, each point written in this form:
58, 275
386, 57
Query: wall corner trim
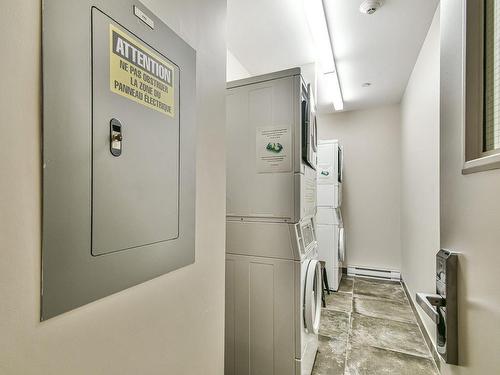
427, 338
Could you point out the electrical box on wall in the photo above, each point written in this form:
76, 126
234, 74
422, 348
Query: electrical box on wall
118, 150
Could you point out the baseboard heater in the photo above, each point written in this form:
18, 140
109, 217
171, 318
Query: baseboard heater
373, 272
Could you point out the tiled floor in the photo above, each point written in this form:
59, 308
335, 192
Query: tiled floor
368, 327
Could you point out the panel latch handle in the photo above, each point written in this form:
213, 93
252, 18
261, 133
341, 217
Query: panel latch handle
115, 137
428, 302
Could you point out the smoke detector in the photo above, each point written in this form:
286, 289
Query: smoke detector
370, 6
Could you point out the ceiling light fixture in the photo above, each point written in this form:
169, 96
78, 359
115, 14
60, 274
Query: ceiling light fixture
333, 87
366, 84
316, 18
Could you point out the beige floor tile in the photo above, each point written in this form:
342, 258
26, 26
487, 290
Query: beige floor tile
387, 334
334, 323
383, 308
377, 289
331, 356
346, 284
339, 301
368, 360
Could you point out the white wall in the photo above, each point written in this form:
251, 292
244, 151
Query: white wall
371, 205
170, 325
470, 215
235, 70
420, 171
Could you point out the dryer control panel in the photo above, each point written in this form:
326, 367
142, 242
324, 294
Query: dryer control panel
306, 236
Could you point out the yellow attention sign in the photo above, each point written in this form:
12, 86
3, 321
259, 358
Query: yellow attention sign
139, 74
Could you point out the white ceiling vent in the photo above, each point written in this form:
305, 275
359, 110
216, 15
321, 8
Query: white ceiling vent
370, 6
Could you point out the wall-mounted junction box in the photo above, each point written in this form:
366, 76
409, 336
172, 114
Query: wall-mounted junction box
118, 150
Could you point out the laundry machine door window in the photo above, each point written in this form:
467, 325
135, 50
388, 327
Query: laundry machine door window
312, 297
340, 164
309, 136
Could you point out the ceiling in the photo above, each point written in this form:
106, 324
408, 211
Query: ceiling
270, 35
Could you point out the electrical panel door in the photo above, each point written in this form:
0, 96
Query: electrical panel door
134, 195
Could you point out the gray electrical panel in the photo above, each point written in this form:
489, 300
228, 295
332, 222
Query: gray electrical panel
118, 150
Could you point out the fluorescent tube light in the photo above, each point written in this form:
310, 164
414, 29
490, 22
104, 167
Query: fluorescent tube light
316, 18
319, 30
334, 91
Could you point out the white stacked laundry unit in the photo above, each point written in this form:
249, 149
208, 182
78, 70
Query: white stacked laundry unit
330, 228
273, 277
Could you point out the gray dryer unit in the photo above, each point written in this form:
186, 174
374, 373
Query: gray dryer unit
271, 149
118, 150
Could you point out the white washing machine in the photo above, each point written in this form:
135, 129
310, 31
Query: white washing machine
330, 173
311, 287
273, 305
331, 243
273, 283
331, 237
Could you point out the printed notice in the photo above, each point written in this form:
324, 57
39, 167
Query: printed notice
273, 149
325, 173
139, 74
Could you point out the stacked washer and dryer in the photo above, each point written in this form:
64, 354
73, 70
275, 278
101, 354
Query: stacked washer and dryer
273, 277
331, 240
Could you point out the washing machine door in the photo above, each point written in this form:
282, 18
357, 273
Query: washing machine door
309, 129
341, 244
312, 296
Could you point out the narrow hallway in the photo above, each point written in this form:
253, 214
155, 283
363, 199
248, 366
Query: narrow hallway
368, 327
